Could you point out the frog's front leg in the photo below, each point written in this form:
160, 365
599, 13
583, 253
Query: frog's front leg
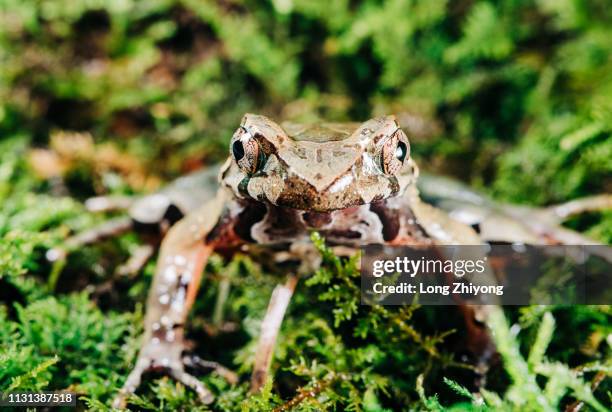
420, 222
270, 326
183, 255
446, 230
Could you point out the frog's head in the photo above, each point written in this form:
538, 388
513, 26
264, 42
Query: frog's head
320, 167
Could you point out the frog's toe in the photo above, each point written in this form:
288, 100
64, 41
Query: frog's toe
132, 382
195, 361
190, 381
120, 400
158, 360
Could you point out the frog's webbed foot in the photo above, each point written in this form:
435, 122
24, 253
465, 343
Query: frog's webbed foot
578, 206
167, 357
106, 230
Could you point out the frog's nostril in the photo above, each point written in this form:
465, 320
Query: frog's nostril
238, 150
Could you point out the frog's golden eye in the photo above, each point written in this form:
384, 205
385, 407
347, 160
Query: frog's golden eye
245, 151
395, 151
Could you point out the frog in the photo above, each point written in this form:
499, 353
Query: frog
353, 183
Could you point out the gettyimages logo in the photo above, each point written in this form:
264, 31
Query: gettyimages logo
412, 267
486, 274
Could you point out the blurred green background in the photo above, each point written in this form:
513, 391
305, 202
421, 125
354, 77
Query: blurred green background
514, 97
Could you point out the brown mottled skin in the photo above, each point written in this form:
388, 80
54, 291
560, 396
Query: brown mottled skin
354, 183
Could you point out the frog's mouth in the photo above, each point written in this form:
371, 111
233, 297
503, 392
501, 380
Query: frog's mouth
299, 194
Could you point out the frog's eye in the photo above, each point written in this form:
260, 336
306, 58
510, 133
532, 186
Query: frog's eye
394, 152
245, 151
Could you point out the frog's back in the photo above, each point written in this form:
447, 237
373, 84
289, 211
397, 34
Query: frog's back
319, 132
